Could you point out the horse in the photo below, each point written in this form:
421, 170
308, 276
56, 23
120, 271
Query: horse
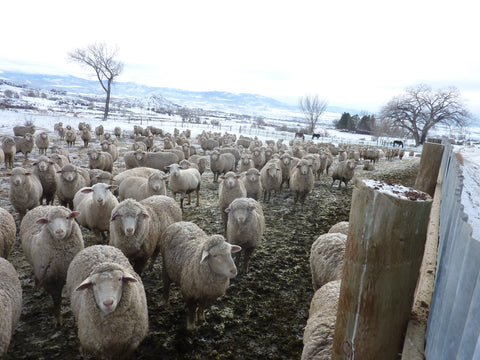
398, 143
315, 136
300, 135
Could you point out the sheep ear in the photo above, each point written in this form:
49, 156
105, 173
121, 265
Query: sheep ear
227, 210
86, 284
129, 278
113, 187
253, 207
42, 221
113, 217
58, 172
235, 248
87, 190
205, 255
28, 173
145, 215
74, 214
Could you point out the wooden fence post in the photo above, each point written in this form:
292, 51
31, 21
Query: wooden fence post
429, 165
386, 239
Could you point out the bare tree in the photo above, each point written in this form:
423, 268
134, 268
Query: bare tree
421, 108
312, 107
101, 59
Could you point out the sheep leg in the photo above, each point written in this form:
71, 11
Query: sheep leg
191, 314
166, 285
246, 259
154, 257
198, 195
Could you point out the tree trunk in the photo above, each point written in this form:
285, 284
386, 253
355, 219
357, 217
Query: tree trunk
107, 100
383, 254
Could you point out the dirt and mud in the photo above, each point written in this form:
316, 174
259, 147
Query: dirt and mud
262, 315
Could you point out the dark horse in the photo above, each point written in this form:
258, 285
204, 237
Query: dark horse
315, 136
300, 135
398, 143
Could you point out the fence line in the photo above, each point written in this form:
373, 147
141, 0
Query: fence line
453, 329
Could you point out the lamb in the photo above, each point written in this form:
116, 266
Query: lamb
301, 181
340, 227
229, 189
71, 179
95, 205
8, 231
46, 171
200, 161
221, 163
271, 179
100, 160
110, 148
25, 190
108, 302
86, 136
9, 150
42, 141
326, 258
184, 182
139, 188
24, 144
155, 160
10, 303
318, 334
70, 138
22, 130
343, 171
50, 239
201, 265
251, 181
245, 227
137, 227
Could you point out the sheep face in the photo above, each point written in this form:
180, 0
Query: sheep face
68, 173
107, 288
130, 217
18, 176
273, 170
43, 164
59, 222
219, 259
93, 154
100, 192
253, 175
230, 179
304, 167
139, 155
156, 181
240, 214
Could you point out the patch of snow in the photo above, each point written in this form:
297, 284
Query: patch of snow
396, 190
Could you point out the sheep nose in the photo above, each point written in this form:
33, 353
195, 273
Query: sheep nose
108, 302
129, 231
234, 271
100, 201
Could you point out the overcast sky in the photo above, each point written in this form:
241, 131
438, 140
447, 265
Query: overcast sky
356, 54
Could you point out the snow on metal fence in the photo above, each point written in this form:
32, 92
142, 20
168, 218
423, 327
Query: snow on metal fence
453, 330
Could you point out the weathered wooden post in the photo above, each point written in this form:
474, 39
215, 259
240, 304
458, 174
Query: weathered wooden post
386, 239
429, 165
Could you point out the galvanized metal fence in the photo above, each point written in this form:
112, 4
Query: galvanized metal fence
453, 330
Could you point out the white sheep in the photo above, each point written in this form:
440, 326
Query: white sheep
141, 171
221, 163
155, 160
95, 205
50, 239
46, 171
110, 148
108, 301
25, 190
320, 329
200, 161
10, 303
21, 130
246, 163
9, 150
8, 231
326, 258
201, 265
136, 227
184, 182
230, 188
251, 181
70, 179
24, 144
139, 188
245, 227
340, 227
86, 136
271, 179
70, 138
301, 180
42, 141
100, 160
343, 171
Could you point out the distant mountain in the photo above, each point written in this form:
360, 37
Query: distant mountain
243, 103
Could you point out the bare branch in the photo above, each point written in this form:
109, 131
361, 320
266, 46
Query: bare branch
312, 107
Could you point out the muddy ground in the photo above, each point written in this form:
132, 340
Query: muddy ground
263, 314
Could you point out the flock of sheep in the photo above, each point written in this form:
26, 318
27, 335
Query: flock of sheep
130, 211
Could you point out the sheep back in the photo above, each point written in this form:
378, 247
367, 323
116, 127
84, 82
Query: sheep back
10, 303
340, 227
8, 231
326, 258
